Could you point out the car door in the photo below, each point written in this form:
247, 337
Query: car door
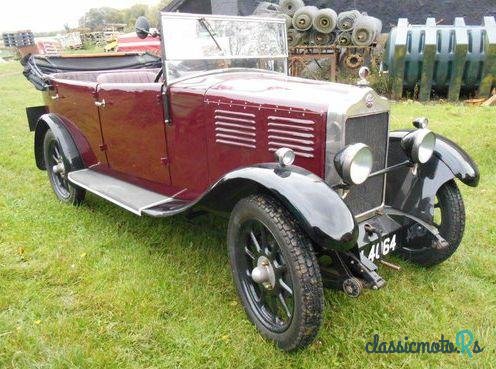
133, 128
75, 102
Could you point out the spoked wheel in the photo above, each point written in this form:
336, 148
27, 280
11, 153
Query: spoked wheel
57, 169
276, 272
265, 277
449, 218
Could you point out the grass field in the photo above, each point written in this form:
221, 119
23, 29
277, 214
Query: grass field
97, 287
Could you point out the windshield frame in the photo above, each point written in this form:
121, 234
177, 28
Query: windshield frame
209, 17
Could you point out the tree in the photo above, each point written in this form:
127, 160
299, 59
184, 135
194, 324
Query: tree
97, 18
130, 14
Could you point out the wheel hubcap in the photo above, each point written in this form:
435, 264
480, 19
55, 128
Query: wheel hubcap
58, 170
263, 273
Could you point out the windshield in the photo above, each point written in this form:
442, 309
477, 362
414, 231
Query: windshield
199, 43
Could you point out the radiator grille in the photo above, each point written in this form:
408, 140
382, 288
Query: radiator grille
235, 129
371, 130
297, 134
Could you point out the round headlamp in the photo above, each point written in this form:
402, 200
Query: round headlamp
285, 156
354, 163
419, 145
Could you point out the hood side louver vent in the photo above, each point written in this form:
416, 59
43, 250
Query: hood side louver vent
235, 129
296, 134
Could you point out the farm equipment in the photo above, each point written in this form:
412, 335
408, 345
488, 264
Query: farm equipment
321, 41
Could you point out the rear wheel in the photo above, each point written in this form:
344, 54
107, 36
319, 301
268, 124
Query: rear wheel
276, 272
57, 168
449, 218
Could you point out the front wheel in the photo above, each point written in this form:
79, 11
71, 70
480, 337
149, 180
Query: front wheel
449, 218
276, 272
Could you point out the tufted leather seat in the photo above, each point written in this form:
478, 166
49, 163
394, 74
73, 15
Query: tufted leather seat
137, 76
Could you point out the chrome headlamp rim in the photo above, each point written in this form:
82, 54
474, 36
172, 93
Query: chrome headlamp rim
354, 163
419, 145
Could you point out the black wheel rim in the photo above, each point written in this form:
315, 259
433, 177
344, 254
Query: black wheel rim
58, 178
273, 306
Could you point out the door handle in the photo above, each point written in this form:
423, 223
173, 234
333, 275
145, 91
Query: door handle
100, 104
53, 93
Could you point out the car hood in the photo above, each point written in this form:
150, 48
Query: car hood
263, 88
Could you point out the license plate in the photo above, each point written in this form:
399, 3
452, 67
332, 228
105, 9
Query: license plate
381, 249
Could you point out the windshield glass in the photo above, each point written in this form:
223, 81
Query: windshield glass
195, 44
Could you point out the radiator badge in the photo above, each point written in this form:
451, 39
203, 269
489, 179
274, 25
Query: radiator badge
369, 100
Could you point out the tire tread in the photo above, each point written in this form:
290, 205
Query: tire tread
306, 265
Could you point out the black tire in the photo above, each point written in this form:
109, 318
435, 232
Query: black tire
293, 319
451, 227
53, 156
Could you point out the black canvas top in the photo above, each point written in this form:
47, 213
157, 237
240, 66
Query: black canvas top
38, 67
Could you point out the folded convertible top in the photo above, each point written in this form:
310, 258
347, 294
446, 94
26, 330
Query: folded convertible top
38, 67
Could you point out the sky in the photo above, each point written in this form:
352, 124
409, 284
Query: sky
51, 15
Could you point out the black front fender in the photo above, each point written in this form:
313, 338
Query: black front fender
414, 193
64, 138
456, 159
318, 209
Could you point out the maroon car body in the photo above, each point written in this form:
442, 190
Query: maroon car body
218, 113
190, 132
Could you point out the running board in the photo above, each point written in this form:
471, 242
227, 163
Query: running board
124, 194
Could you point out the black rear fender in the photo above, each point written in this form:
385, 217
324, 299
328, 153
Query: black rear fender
64, 138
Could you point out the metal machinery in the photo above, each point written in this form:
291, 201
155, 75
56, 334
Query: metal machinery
325, 44
328, 62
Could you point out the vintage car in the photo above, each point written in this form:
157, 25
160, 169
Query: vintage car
317, 189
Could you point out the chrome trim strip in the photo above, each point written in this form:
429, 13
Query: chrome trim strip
386, 160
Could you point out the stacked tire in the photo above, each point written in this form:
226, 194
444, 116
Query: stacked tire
311, 26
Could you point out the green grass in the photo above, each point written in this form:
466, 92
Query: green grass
97, 287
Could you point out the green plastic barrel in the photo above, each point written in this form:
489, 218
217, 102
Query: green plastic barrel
442, 58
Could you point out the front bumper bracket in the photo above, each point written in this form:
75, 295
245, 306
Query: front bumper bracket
440, 244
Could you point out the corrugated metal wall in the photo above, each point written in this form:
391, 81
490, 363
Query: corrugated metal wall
417, 11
